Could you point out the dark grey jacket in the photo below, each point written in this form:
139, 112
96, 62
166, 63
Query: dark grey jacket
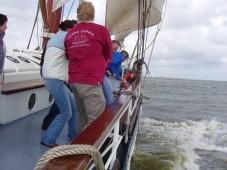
2, 50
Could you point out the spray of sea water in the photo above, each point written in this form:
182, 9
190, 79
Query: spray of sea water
179, 141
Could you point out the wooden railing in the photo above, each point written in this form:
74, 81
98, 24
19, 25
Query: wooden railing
111, 127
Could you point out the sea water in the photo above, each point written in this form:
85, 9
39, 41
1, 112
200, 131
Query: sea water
183, 126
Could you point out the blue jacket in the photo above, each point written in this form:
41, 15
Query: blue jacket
115, 63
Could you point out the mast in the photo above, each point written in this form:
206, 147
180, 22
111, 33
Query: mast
51, 19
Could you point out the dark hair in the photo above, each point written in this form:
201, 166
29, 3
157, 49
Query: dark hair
3, 19
74, 21
64, 25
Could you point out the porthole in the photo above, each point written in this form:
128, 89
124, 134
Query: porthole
32, 101
50, 98
23, 59
12, 59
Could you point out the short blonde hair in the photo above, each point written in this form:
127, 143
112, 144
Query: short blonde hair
86, 12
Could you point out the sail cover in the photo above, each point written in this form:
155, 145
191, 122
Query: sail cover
122, 16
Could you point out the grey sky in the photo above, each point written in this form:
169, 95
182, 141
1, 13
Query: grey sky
191, 44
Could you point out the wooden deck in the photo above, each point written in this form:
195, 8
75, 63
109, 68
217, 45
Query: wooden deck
20, 147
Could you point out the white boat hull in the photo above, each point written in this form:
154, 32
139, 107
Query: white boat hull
22, 99
16, 105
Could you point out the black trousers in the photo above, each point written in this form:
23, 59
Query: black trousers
53, 112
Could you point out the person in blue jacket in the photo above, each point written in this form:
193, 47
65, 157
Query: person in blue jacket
115, 64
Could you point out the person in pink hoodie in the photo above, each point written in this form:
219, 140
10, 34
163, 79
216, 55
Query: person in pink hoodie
88, 49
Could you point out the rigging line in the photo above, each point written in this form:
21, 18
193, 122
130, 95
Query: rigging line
152, 49
158, 30
133, 53
149, 44
37, 26
138, 30
37, 12
143, 27
146, 33
70, 9
149, 15
152, 40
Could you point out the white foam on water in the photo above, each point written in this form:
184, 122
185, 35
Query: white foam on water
183, 138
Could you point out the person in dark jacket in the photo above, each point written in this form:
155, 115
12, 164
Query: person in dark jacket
3, 27
55, 75
54, 111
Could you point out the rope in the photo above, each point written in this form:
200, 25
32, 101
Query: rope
153, 42
64, 150
70, 10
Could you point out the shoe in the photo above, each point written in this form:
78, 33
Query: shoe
50, 146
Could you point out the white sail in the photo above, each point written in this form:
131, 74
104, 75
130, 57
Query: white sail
122, 16
58, 3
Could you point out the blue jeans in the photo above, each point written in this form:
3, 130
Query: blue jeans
68, 113
107, 90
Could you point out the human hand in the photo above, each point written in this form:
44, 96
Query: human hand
108, 73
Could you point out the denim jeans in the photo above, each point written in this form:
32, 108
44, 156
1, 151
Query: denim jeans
115, 83
107, 90
68, 113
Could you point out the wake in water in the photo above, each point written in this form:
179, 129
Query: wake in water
180, 145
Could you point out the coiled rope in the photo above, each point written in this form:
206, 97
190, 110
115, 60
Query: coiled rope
64, 150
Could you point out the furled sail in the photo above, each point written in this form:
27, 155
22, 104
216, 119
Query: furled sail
122, 16
58, 3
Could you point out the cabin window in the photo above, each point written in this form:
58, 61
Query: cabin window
32, 101
23, 59
12, 59
38, 58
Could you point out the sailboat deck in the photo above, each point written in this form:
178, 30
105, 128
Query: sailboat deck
20, 146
